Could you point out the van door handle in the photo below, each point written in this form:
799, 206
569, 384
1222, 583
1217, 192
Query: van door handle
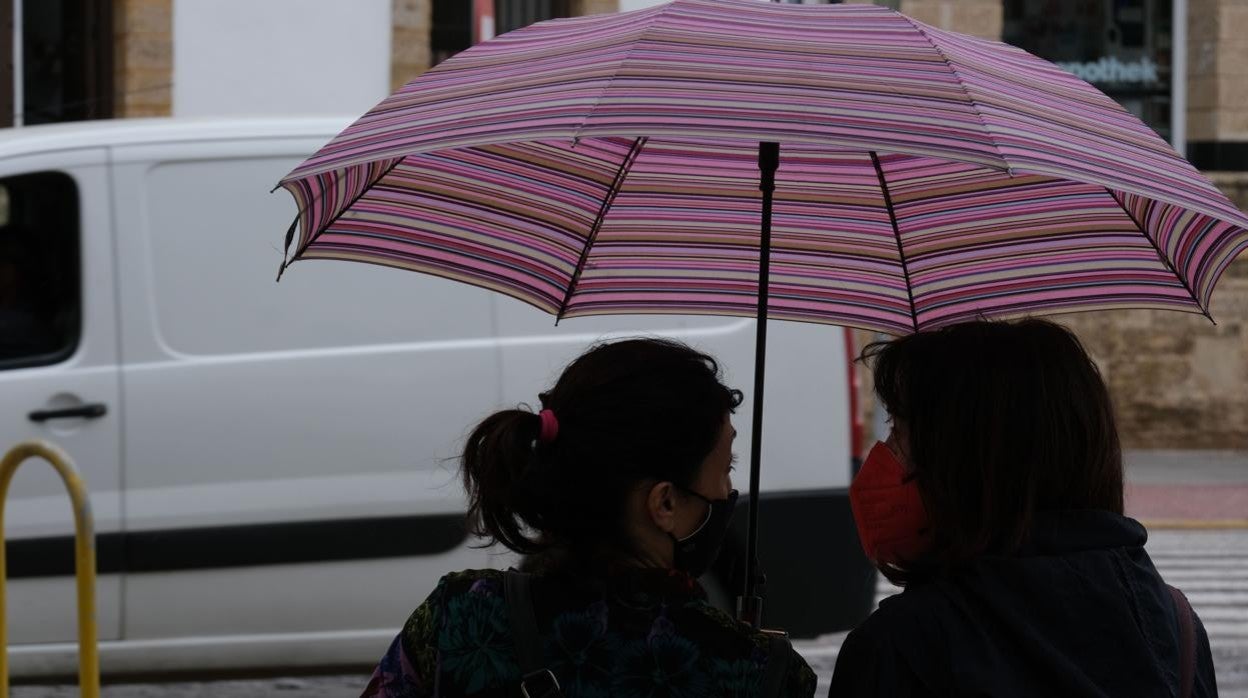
93, 410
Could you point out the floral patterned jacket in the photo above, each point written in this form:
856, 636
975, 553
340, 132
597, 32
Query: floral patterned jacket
643, 633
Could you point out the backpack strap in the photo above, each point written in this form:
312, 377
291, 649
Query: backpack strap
1187, 643
779, 653
517, 590
536, 680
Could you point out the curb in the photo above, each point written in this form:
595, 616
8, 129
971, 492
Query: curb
1195, 524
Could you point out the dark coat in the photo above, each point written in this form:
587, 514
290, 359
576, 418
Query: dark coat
643, 633
1079, 611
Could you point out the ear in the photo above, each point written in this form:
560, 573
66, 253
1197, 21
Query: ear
661, 505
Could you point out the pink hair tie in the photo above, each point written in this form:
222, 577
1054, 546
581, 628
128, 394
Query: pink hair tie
550, 427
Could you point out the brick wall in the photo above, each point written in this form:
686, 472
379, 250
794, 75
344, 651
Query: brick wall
593, 7
1179, 381
1217, 71
409, 49
143, 57
1234, 185
982, 18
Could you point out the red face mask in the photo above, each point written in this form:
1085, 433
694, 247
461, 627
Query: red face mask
892, 523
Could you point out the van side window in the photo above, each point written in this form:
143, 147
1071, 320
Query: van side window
40, 301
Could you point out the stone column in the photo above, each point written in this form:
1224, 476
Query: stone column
143, 57
1217, 74
578, 8
412, 26
982, 18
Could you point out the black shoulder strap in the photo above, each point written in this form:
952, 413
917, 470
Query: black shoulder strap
1187, 643
517, 589
778, 655
536, 680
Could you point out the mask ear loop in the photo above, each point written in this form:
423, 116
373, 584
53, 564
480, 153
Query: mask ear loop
710, 509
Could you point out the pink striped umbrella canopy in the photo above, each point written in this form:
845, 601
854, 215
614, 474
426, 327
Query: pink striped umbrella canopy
608, 164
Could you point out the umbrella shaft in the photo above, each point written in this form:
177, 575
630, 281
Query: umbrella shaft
768, 163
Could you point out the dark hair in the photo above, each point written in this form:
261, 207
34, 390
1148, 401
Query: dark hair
628, 411
1004, 419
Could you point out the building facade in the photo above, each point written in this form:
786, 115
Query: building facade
1178, 381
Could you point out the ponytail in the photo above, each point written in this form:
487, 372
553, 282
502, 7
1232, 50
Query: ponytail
497, 457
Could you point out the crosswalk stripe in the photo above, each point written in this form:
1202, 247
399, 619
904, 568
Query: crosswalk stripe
1198, 572
1196, 584
1240, 565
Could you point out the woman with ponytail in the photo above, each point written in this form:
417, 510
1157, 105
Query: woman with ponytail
619, 491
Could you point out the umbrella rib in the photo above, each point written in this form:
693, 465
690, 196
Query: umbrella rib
609, 199
901, 254
576, 137
962, 84
312, 238
1160, 255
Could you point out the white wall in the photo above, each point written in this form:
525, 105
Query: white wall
299, 57
626, 5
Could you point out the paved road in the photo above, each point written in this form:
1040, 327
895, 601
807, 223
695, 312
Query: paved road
1188, 489
346, 686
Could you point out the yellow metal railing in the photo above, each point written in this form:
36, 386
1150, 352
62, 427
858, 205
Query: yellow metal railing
84, 555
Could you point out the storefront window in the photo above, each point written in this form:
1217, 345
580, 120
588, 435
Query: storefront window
1122, 47
452, 28
67, 48
513, 14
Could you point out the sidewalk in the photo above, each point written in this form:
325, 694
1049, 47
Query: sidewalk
1188, 489
1166, 489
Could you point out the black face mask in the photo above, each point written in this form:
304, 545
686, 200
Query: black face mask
695, 552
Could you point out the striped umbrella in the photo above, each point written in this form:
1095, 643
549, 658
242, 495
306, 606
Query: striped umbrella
611, 164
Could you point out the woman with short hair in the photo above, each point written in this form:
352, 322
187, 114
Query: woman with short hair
997, 502
620, 488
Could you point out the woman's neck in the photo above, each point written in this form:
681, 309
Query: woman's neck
599, 561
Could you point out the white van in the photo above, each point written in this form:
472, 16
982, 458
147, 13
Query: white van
272, 465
